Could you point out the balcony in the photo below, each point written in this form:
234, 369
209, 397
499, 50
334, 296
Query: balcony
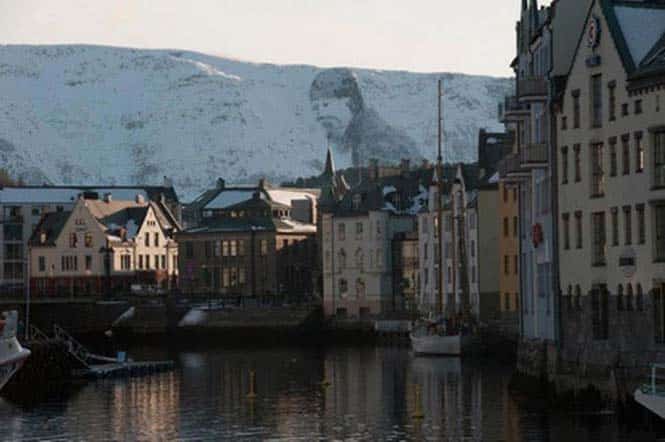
534, 154
532, 88
511, 166
511, 110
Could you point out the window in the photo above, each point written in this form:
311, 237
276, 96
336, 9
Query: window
620, 297
88, 262
505, 193
614, 214
598, 228
189, 250
68, 263
596, 101
599, 307
564, 165
624, 110
175, 262
225, 248
343, 286
208, 246
638, 107
360, 258
639, 153
627, 225
576, 109
233, 245
356, 200
156, 239
147, 262
341, 231
164, 262
126, 262
264, 247
578, 230
506, 301
629, 297
41, 264
359, 230
625, 143
514, 194
564, 123
141, 262
473, 274
565, 227
73, 240
597, 172
506, 265
146, 239
341, 259
506, 229
659, 314
659, 159
578, 167
641, 224
473, 248
515, 265
87, 240
241, 247
515, 226
659, 227
613, 156
611, 88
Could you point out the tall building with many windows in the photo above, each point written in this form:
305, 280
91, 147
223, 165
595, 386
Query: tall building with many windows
611, 181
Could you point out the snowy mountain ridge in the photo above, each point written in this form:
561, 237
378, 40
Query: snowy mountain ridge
103, 115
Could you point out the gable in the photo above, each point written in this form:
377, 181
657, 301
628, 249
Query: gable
80, 221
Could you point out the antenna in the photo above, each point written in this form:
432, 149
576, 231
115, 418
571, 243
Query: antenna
439, 157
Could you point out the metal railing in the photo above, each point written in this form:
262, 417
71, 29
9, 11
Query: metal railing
509, 164
534, 153
656, 385
509, 105
532, 87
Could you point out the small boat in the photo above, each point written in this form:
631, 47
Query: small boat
652, 395
432, 338
12, 354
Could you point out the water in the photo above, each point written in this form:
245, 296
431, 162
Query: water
374, 394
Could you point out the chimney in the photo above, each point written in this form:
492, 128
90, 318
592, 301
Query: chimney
108, 197
221, 184
140, 199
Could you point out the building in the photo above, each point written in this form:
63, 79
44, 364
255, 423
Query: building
22, 207
544, 54
491, 245
251, 242
611, 187
102, 247
357, 236
405, 270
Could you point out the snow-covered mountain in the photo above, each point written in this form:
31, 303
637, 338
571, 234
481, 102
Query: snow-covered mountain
90, 114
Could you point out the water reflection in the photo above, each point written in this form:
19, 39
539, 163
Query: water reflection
341, 393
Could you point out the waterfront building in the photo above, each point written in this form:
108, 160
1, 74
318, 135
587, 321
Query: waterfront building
611, 187
103, 246
357, 236
22, 207
544, 52
251, 241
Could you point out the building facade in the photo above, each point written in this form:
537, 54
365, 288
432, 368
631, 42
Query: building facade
22, 207
102, 247
248, 244
611, 197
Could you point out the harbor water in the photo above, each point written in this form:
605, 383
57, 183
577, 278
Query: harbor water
302, 393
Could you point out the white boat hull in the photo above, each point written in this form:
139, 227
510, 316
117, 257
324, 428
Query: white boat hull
653, 402
438, 345
12, 354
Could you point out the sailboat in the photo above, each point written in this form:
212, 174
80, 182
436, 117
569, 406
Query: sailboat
452, 335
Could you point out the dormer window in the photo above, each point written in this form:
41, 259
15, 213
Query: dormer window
42, 238
357, 200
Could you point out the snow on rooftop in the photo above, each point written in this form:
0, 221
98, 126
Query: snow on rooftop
387, 190
283, 196
295, 226
491, 140
494, 178
231, 197
642, 27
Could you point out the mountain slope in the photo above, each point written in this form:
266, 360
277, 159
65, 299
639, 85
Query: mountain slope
90, 114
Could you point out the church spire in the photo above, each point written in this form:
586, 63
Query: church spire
329, 169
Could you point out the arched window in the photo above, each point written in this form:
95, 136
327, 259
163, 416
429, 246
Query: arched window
341, 259
578, 297
629, 296
620, 297
360, 288
639, 300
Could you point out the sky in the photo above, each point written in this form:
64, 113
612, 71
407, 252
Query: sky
470, 36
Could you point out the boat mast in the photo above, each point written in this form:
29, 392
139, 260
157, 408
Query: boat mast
439, 203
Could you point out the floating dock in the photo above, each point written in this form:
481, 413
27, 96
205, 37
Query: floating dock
124, 369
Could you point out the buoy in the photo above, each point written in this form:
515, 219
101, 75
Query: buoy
418, 412
252, 381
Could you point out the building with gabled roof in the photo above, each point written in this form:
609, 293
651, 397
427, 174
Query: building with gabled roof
102, 247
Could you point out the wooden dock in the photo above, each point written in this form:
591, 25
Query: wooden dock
124, 369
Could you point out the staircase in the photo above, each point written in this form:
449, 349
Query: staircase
73, 346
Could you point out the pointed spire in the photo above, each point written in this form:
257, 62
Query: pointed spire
523, 5
329, 169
